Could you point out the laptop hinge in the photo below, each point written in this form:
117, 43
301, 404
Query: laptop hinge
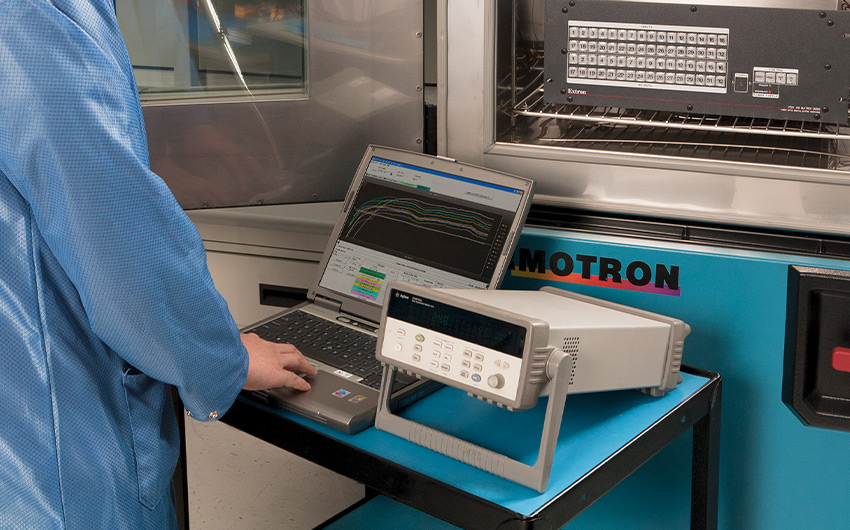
328, 303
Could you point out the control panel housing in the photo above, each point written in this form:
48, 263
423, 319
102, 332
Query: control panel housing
756, 62
498, 358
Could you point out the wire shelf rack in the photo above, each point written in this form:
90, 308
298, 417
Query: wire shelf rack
755, 140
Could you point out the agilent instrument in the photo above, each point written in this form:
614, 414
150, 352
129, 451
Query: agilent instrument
511, 347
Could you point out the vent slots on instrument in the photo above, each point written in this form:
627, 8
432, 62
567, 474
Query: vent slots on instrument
788, 64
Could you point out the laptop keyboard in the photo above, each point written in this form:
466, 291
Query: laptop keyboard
338, 346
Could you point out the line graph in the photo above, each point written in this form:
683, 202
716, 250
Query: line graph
434, 230
462, 223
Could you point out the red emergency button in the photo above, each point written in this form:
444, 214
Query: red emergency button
841, 359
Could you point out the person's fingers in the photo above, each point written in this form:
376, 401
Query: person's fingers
293, 359
273, 364
291, 380
285, 347
296, 362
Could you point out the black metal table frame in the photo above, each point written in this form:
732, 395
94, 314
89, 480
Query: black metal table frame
700, 411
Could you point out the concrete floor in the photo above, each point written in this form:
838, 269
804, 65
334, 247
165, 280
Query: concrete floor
237, 482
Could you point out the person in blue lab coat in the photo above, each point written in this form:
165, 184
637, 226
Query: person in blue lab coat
105, 298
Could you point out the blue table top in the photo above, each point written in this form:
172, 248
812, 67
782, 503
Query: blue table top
594, 427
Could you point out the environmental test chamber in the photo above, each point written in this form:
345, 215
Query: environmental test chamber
736, 222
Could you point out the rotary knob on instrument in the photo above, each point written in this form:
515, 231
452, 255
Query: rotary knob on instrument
496, 381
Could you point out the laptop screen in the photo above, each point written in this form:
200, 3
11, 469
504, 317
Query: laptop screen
422, 225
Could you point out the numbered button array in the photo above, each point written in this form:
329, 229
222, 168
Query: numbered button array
652, 58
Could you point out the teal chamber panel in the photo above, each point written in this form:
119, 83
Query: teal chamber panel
775, 472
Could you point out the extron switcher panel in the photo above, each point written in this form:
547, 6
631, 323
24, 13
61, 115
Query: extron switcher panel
789, 64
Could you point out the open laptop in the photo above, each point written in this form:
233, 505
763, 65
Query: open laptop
407, 216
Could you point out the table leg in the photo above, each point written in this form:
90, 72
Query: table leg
706, 467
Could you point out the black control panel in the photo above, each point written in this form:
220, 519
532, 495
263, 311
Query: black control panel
816, 375
756, 62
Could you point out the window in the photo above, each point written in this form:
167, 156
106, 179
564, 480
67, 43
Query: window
216, 50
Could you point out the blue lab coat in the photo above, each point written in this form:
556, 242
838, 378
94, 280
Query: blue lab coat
105, 298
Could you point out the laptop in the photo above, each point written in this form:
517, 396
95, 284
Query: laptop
408, 216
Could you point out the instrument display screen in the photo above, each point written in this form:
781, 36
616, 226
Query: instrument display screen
460, 323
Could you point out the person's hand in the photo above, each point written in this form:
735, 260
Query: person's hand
271, 365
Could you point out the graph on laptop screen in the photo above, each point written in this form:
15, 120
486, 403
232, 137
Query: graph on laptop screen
420, 225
